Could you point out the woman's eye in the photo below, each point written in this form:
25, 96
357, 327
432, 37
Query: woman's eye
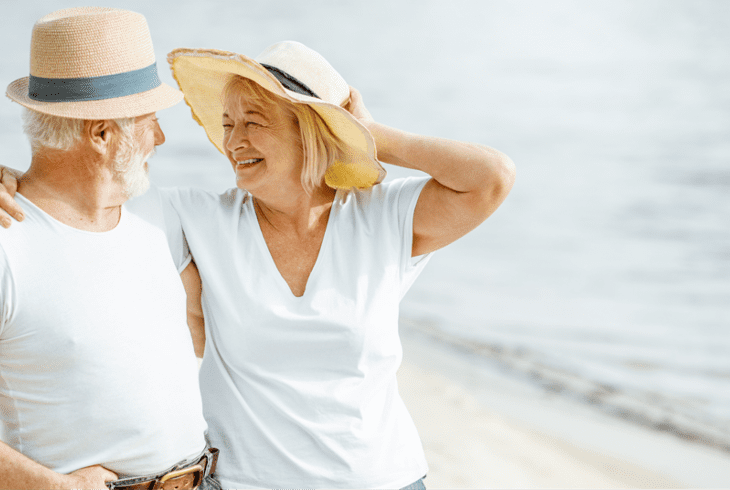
251, 123
227, 125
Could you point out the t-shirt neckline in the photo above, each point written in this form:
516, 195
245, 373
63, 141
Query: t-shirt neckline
122, 218
323, 250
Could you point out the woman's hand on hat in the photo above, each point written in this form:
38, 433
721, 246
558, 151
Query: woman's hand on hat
357, 108
8, 207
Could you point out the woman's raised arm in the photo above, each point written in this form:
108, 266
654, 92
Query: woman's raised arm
469, 181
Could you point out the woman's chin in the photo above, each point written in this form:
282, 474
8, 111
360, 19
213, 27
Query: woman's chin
248, 184
241, 183
246, 175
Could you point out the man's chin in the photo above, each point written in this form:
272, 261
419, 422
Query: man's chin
138, 189
136, 181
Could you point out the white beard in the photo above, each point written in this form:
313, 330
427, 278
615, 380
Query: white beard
129, 166
136, 179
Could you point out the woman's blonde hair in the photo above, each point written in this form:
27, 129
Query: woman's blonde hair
320, 147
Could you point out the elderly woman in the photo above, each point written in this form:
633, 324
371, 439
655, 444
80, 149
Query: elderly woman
304, 263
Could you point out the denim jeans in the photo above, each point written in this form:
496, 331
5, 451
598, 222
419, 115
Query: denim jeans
210, 483
416, 485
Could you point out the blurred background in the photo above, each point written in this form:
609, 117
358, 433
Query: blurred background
605, 276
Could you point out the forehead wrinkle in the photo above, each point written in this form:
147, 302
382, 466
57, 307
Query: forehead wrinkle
237, 112
237, 101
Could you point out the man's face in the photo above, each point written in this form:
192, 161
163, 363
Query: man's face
147, 133
136, 145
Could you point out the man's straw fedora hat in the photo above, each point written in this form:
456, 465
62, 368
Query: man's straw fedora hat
92, 63
289, 70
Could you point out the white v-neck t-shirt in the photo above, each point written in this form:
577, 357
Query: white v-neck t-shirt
301, 391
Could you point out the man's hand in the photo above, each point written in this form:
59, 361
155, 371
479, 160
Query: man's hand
91, 477
8, 206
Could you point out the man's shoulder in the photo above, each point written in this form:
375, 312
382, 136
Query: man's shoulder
34, 225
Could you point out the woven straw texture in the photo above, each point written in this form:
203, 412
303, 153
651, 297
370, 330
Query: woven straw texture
202, 74
65, 46
91, 42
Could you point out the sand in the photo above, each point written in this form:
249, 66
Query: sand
468, 446
482, 431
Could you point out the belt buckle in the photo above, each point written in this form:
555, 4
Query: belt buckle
176, 474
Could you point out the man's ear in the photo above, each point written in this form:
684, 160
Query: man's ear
100, 134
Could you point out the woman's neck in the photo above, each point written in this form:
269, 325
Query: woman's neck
299, 214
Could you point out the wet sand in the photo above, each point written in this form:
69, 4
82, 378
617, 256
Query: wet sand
486, 432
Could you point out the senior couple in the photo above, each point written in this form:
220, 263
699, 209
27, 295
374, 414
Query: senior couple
289, 283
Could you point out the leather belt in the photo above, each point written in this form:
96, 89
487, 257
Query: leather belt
186, 476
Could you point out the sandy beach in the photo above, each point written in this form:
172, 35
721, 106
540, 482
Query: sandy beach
481, 430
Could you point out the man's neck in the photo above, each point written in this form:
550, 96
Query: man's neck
75, 189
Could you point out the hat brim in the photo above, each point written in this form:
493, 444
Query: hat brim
202, 74
134, 105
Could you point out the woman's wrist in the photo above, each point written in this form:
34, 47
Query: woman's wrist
390, 143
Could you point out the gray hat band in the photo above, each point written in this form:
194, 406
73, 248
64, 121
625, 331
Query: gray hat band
93, 88
289, 82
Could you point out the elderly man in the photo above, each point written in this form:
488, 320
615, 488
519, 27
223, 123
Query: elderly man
98, 379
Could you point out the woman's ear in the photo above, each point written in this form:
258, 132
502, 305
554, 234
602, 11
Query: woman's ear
99, 134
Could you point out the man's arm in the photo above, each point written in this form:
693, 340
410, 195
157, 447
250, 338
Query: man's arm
196, 323
20, 472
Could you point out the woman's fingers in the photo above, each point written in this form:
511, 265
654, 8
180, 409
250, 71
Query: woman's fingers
357, 108
8, 206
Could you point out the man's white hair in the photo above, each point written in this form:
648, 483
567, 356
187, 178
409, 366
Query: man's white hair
63, 133
56, 132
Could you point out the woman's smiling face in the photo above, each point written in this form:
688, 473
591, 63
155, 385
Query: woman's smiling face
263, 144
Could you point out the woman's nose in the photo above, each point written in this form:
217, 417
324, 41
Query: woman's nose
237, 138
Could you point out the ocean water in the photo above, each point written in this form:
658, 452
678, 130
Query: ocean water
605, 276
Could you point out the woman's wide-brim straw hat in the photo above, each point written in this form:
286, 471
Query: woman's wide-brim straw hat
294, 72
93, 63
